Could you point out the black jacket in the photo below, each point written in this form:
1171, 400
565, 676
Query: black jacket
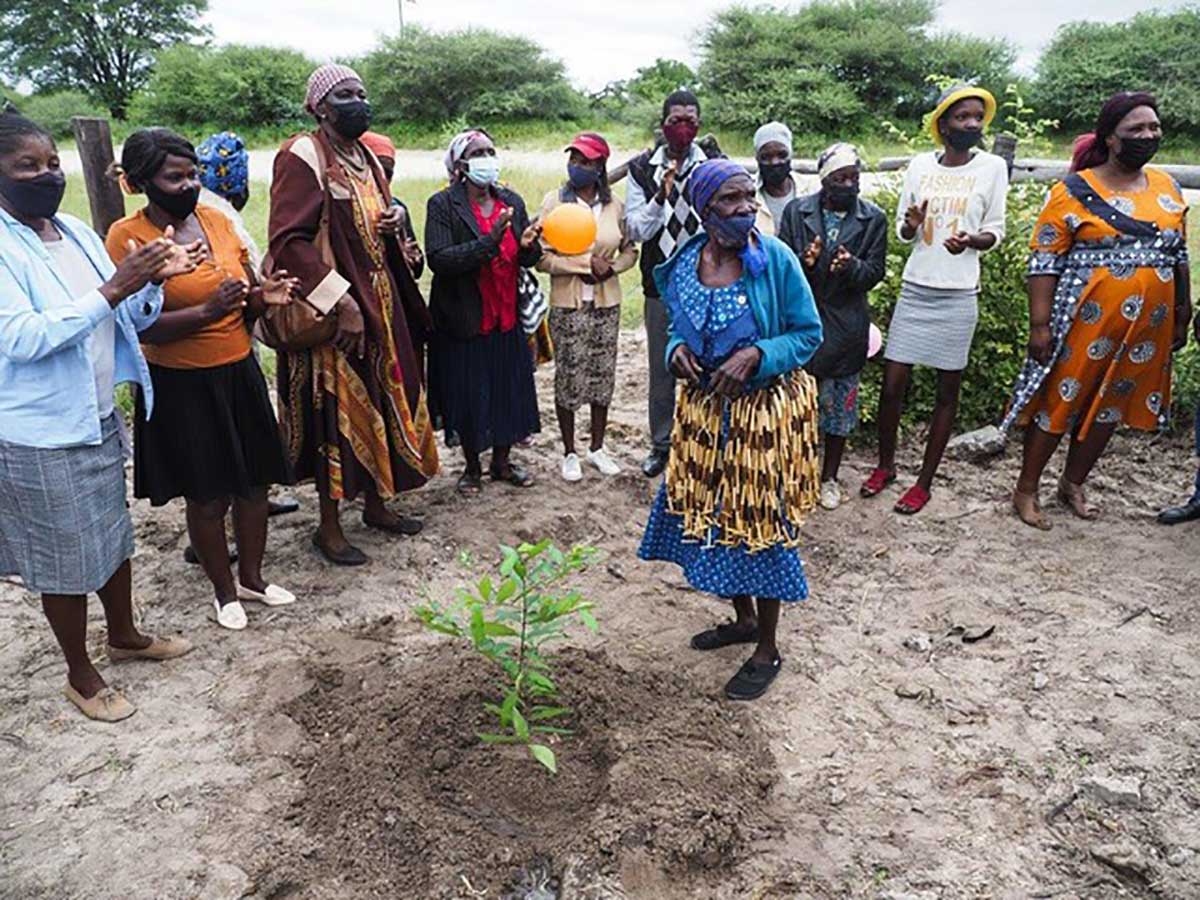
842, 297
455, 251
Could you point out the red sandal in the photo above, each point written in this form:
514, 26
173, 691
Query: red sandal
913, 501
880, 478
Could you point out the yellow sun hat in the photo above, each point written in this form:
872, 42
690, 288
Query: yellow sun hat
952, 95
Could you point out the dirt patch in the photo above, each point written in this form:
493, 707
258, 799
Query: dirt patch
655, 776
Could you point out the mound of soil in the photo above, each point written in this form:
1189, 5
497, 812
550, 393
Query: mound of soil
403, 795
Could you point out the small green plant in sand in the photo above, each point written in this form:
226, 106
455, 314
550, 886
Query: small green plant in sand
509, 618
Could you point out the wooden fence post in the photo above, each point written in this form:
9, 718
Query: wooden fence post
1005, 147
94, 140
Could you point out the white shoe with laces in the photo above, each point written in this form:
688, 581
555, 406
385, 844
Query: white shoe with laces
602, 461
831, 495
571, 470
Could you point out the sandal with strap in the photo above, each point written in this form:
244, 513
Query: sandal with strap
516, 475
469, 485
880, 479
913, 501
752, 679
724, 635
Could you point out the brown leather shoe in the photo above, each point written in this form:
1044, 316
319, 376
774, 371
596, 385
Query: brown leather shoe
106, 706
158, 649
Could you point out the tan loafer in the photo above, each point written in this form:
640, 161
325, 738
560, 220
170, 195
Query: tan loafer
158, 649
106, 706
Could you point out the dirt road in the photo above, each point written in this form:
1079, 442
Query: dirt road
328, 751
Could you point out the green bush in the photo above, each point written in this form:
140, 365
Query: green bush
1088, 62
837, 65
638, 100
54, 111
234, 86
473, 75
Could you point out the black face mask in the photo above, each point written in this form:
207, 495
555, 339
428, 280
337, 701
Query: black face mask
1136, 152
840, 197
961, 140
178, 205
35, 198
351, 118
775, 174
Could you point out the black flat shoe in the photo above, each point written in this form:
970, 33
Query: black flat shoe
724, 635
190, 557
656, 463
401, 525
351, 556
752, 679
1177, 515
282, 506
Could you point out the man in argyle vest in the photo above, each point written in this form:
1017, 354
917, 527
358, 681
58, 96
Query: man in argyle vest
658, 214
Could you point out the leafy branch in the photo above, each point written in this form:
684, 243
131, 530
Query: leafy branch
509, 620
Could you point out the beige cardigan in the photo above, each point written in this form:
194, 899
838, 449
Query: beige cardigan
566, 287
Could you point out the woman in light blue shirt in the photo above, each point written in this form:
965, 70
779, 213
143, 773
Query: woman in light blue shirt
68, 334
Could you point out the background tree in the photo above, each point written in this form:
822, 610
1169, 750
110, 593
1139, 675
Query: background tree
1088, 62
834, 65
235, 86
104, 48
476, 74
638, 100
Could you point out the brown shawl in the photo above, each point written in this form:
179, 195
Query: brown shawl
345, 419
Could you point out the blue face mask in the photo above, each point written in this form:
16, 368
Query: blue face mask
581, 177
484, 170
730, 231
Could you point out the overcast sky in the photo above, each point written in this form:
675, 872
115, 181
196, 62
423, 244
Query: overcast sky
600, 42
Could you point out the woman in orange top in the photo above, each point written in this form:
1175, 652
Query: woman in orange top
1109, 302
213, 434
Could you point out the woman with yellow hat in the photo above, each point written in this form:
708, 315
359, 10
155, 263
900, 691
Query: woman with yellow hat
952, 209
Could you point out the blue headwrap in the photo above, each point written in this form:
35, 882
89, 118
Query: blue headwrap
702, 186
224, 165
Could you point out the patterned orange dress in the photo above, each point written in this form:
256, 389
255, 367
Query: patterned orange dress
1113, 316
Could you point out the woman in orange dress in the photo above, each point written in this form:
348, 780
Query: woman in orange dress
1109, 303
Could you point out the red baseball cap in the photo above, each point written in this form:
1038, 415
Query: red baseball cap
590, 144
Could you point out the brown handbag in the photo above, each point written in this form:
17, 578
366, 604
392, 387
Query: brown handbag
299, 325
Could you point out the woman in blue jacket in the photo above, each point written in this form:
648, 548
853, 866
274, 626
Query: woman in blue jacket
743, 467
69, 323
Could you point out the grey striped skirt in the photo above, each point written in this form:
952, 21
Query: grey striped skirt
64, 525
933, 327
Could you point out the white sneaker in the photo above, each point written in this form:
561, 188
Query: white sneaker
571, 470
231, 615
831, 495
602, 461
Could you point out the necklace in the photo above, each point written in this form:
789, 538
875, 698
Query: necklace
355, 161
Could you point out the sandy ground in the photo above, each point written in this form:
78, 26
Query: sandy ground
1055, 757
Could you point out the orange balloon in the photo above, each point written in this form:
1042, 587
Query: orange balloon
570, 228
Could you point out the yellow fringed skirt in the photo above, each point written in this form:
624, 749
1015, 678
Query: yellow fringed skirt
747, 469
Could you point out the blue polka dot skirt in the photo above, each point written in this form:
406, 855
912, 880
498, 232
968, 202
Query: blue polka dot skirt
728, 572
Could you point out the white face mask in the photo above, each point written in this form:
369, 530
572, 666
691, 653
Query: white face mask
484, 170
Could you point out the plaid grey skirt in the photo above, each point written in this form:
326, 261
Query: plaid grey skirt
585, 354
64, 525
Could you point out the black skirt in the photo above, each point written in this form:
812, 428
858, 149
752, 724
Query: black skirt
212, 434
481, 389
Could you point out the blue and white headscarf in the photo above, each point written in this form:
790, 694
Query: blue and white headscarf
224, 165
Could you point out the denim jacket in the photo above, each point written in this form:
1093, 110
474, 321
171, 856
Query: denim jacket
47, 385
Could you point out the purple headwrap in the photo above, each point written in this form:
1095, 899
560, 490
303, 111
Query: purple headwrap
703, 185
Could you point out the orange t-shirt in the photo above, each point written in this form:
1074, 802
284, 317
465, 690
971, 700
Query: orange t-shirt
218, 343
